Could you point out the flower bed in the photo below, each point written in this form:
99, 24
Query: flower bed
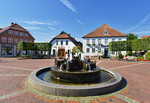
143, 60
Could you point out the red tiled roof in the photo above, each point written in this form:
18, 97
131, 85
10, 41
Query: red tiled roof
13, 25
100, 32
147, 36
64, 35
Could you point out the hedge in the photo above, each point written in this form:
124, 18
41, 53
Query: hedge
34, 46
132, 45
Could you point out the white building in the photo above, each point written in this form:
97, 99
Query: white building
63, 44
96, 42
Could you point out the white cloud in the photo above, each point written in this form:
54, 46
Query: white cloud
33, 28
140, 24
79, 21
51, 28
68, 5
142, 32
40, 23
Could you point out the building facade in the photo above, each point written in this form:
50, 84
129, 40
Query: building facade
63, 44
9, 38
96, 42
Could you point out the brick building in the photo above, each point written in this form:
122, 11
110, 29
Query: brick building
9, 38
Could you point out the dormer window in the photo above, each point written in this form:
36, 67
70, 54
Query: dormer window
10, 32
106, 32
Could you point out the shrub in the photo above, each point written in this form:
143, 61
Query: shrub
22, 56
88, 44
140, 57
120, 56
129, 53
147, 56
93, 44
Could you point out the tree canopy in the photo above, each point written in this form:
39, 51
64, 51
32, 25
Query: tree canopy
131, 36
76, 49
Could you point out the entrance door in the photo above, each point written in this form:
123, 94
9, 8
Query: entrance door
106, 53
61, 52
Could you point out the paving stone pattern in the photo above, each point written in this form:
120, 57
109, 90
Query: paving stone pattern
14, 74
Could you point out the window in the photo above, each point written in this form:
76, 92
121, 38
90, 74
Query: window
21, 39
30, 41
87, 50
93, 50
119, 39
93, 41
99, 41
88, 41
10, 31
113, 39
56, 42
113, 52
3, 39
21, 34
16, 32
106, 41
61, 42
26, 34
16, 40
26, 40
66, 42
10, 40
106, 32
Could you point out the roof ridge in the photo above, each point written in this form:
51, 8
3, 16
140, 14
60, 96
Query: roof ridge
100, 32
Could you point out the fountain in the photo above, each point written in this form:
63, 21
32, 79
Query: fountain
75, 71
74, 78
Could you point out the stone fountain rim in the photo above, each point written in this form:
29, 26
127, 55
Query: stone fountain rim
76, 90
117, 78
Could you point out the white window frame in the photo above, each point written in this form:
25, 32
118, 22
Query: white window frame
10, 32
106, 41
93, 41
87, 41
26, 34
87, 50
10, 40
3, 39
16, 33
21, 33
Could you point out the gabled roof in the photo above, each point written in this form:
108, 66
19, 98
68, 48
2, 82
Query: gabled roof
64, 35
147, 36
15, 26
100, 32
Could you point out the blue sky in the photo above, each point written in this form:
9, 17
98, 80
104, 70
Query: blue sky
47, 18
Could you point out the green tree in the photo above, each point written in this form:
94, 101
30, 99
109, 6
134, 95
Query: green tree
131, 36
76, 50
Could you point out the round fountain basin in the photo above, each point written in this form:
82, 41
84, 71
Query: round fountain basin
76, 77
74, 90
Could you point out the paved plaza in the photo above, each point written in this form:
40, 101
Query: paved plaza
14, 74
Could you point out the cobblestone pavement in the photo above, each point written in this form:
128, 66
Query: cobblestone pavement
14, 74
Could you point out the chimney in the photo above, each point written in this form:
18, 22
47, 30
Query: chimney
12, 23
